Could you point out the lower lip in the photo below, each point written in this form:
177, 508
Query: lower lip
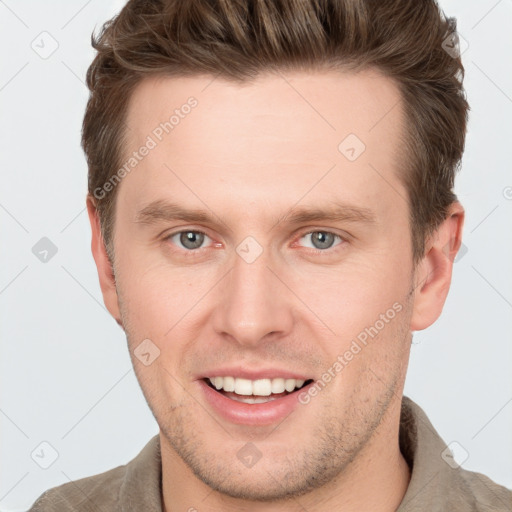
251, 414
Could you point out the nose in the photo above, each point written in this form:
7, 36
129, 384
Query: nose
254, 303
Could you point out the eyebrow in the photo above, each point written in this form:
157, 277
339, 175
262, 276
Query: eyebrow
162, 210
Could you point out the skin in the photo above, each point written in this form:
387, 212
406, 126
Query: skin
249, 155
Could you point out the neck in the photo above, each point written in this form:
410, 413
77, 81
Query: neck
376, 480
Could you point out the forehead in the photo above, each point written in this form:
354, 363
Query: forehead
277, 136
327, 103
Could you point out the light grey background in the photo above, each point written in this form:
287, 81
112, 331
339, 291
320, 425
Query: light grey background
66, 374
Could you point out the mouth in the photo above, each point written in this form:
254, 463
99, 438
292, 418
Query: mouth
258, 391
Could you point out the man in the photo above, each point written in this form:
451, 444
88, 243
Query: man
272, 212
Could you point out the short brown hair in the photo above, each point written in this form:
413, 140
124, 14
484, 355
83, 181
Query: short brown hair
238, 39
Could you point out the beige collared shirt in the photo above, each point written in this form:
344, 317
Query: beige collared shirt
437, 483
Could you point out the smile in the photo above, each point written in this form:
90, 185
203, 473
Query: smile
255, 391
249, 402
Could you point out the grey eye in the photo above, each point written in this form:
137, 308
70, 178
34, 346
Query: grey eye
322, 239
190, 239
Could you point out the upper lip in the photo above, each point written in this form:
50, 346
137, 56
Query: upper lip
244, 373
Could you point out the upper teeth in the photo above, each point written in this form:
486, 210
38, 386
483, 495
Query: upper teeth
261, 387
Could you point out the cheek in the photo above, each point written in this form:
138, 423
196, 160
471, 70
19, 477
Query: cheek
147, 281
352, 297
371, 356
160, 302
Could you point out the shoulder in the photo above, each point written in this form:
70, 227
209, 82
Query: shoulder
486, 495
86, 494
136, 483
437, 481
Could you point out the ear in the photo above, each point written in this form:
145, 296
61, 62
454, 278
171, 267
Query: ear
105, 269
433, 273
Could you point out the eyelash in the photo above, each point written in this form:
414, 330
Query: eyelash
193, 252
328, 251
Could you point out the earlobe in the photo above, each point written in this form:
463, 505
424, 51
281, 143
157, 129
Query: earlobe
433, 274
103, 264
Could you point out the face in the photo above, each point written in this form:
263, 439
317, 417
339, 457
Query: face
266, 237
